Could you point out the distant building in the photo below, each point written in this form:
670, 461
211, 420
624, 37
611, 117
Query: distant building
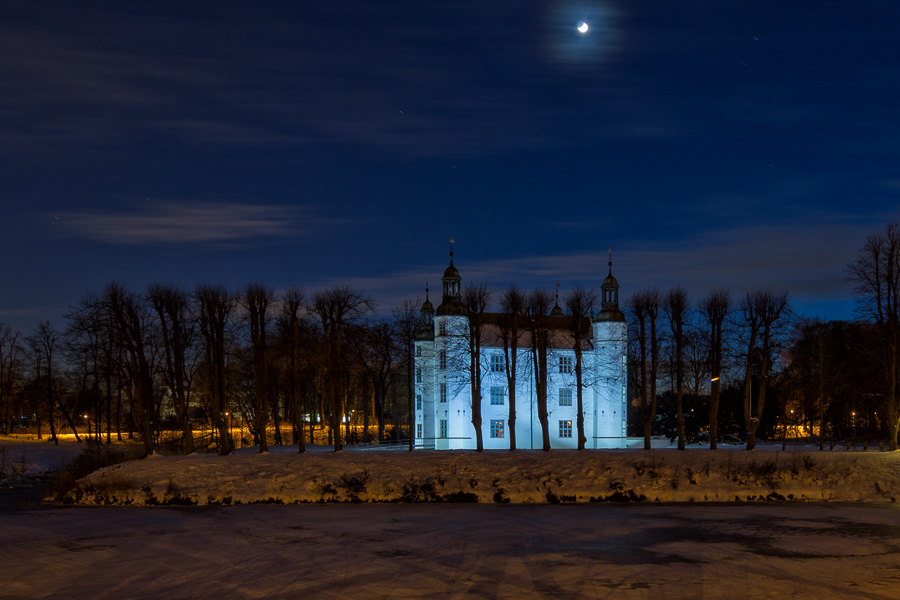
443, 404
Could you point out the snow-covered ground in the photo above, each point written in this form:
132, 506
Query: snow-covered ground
522, 477
402, 551
490, 550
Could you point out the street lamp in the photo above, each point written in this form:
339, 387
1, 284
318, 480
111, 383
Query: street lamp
853, 415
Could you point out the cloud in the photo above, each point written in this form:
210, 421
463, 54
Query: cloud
183, 223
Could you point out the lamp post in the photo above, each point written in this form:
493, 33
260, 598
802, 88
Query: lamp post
853, 416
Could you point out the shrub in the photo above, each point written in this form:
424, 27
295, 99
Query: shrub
354, 485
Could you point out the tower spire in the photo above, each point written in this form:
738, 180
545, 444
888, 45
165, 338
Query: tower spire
450, 302
556, 311
609, 293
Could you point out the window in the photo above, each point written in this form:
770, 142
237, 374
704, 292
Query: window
419, 403
498, 395
418, 350
442, 328
443, 359
418, 374
418, 430
565, 396
565, 429
497, 363
565, 364
443, 428
443, 392
496, 428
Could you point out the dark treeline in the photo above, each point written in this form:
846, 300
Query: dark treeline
213, 368
729, 367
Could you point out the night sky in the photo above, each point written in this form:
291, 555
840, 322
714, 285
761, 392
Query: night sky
733, 144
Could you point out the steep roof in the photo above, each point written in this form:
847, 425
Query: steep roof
559, 326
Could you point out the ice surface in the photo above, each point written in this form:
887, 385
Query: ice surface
398, 551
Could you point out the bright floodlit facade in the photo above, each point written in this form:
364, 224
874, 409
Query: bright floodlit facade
443, 398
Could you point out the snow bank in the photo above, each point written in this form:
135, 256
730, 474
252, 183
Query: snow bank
525, 476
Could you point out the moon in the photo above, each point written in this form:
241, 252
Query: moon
583, 27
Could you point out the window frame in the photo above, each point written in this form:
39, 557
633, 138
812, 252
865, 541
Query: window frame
498, 392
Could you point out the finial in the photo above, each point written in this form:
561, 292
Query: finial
452, 241
557, 293
426, 287
610, 260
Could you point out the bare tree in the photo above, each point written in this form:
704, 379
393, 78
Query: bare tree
256, 299
406, 321
696, 361
715, 308
214, 306
132, 327
537, 316
875, 275
763, 312
579, 302
336, 308
84, 349
475, 301
644, 306
377, 361
512, 326
172, 310
291, 302
11, 353
676, 308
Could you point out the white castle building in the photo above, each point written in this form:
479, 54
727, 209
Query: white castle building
443, 398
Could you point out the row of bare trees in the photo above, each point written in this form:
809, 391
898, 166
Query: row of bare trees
828, 378
875, 275
168, 359
689, 349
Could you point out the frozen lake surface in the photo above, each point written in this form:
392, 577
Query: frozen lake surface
453, 551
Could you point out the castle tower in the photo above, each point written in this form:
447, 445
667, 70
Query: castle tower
610, 340
423, 409
452, 402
